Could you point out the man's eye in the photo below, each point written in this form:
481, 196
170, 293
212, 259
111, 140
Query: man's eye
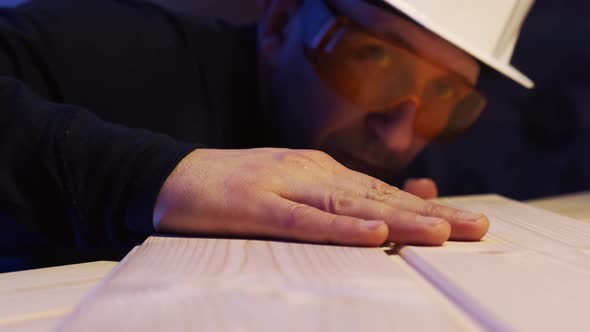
444, 89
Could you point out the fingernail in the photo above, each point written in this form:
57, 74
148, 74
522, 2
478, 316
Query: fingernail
468, 216
430, 221
371, 225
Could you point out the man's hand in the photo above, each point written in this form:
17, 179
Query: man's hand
302, 195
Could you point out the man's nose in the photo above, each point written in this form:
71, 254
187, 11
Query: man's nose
395, 126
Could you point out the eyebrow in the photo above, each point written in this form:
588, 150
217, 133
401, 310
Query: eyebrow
394, 36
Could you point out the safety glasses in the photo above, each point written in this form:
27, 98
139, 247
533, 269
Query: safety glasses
376, 73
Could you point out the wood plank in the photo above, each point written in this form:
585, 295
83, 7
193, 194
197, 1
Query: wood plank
48, 277
46, 294
576, 205
186, 284
36, 325
530, 273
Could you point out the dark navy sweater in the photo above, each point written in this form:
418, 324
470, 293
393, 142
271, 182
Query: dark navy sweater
99, 100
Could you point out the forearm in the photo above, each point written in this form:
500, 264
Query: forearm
80, 182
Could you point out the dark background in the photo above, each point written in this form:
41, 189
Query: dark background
533, 143
527, 144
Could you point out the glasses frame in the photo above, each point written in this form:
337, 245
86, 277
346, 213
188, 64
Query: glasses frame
320, 29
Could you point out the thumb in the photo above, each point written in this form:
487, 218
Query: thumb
424, 188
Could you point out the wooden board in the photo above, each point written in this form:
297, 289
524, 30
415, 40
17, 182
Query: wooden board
576, 205
35, 300
531, 272
184, 284
37, 324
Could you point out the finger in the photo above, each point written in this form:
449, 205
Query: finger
404, 226
290, 220
424, 188
465, 225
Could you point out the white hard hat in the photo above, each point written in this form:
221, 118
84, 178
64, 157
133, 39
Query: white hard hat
486, 29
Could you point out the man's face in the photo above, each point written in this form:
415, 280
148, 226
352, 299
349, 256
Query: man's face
312, 115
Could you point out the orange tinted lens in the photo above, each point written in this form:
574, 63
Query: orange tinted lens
463, 115
376, 74
449, 107
366, 70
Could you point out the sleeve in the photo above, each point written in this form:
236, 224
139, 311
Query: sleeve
72, 186
74, 179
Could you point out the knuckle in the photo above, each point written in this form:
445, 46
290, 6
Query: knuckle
293, 158
333, 232
323, 157
375, 195
316, 154
377, 184
293, 218
331, 235
393, 190
338, 201
395, 193
324, 160
431, 209
380, 191
337, 168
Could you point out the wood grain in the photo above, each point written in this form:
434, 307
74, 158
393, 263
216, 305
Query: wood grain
530, 273
32, 299
576, 205
184, 284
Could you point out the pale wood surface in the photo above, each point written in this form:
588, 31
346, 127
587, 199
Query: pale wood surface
576, 205
35, 300
181, 284
47, 324
530, 273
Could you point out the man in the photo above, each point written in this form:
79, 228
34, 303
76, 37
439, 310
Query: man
355, 79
